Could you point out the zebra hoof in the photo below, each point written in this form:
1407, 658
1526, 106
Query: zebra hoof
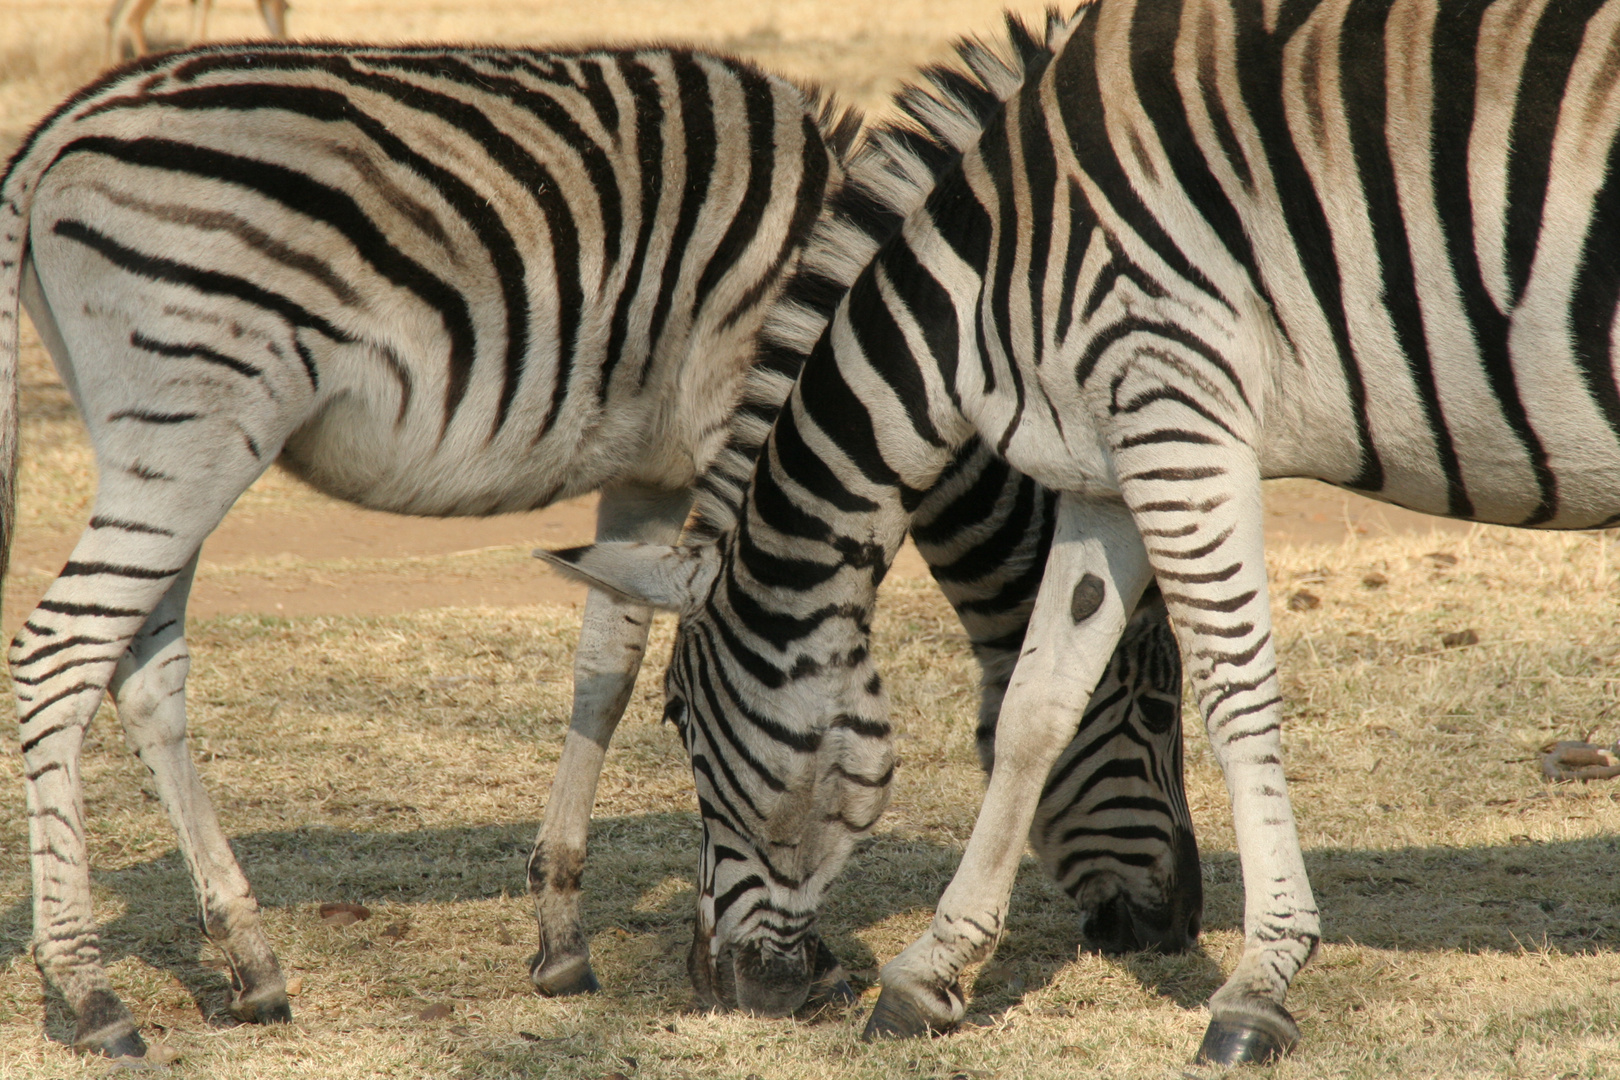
898, 1016
563, 977
1260, 1033
104, 1026
129, 1044
829, 983
266, 1007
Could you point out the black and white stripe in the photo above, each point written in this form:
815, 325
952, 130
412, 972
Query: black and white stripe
1364, 241
1115, 829
429, 280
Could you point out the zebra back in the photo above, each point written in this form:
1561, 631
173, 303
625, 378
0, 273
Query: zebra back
889, 175
557, 261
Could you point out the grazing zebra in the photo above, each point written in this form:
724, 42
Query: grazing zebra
1113, 826
126, 24
1115, 831
1367, 241
436, 281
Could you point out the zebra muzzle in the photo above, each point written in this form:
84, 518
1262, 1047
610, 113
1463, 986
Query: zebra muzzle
758, 978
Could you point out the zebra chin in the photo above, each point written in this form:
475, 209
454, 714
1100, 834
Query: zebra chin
762, 979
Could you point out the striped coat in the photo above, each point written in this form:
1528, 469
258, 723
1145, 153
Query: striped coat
1211, 241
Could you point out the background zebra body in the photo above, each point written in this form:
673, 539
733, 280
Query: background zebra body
429, 280
1113, 828
1370, 242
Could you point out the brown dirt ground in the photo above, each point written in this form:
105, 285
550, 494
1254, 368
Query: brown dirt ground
1297, 512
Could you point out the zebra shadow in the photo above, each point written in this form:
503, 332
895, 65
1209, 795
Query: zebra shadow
640, 899
1491, 899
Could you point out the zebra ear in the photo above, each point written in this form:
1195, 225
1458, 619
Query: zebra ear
658, 575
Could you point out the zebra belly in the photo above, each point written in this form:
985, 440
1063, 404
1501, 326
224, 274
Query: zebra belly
354, 449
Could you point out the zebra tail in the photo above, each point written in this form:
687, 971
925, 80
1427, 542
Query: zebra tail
16, 197
887, 177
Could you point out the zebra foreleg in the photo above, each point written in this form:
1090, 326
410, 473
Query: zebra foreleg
1058, 668
149, 688
612, 641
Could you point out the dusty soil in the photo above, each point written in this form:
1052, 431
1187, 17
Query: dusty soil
378, 550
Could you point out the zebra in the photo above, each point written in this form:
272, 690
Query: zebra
126, 24
1115, 832
1113, 827
1210, 241
437, 281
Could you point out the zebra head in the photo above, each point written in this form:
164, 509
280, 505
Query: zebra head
784, 794
1113, 828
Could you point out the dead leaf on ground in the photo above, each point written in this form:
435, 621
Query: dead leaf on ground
436, 1011
394, 931
551, 1041
295, 986
1459, 638
1374, 580
1304, 601
344, 914
504, 936
1568, 761
1441, 558
158, 1056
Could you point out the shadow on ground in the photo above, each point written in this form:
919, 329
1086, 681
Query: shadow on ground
1548, 896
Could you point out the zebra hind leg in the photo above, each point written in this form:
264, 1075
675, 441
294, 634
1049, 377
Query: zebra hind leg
612, 641
62, 661
149, 688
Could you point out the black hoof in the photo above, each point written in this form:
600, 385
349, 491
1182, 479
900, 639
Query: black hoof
896, 1016
272, 1008
105, 1027
1258, 1039
564, 977
839, 993
829, 983
129, 1044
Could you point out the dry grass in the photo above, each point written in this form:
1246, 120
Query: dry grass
401, 762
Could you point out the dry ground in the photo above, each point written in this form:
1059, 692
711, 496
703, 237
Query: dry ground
364, 749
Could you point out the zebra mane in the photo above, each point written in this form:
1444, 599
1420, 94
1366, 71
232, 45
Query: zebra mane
887, 177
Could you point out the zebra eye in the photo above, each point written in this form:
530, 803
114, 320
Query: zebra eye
1157, 716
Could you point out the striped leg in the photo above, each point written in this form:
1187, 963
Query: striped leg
167, 474
149, 687
1096, 556
1199, 508
62, 661
1113, 828
612, 641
